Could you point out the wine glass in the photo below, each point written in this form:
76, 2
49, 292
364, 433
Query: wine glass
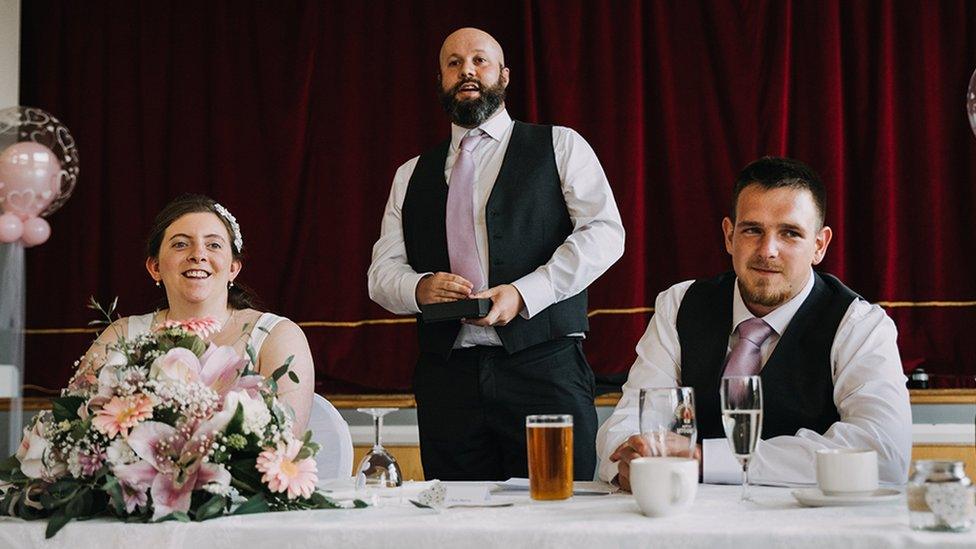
666, 416
742, 417
378, 467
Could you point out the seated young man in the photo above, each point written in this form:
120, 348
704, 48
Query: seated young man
831, 373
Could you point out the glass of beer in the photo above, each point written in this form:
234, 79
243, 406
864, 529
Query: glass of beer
550, 445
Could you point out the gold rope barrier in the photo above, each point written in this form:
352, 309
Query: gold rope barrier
594, 312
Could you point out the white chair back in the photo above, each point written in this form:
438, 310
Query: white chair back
331, 432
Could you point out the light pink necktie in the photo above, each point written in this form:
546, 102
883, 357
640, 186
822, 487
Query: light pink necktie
462, 245
746, 356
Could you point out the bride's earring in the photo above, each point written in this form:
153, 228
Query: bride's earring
230, 284
159, 284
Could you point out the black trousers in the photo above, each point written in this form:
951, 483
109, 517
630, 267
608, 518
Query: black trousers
471, 408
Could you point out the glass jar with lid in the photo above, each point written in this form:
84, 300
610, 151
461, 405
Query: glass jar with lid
940, 497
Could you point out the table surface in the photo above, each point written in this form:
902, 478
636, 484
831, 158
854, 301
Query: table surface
717, 519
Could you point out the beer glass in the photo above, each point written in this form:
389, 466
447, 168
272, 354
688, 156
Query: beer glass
550, 445
666, 416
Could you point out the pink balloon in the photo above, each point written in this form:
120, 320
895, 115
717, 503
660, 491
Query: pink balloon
30, 178
11, 227
36, 231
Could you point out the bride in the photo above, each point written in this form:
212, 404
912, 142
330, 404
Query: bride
194, 253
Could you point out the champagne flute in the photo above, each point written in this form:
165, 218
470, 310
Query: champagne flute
742, 417
378, 467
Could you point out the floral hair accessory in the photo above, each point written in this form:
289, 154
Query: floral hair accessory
225, 213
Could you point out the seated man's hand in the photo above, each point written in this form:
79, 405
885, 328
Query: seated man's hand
670, 444
506, 302
442, 288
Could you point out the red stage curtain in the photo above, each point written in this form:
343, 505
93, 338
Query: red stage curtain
296, 114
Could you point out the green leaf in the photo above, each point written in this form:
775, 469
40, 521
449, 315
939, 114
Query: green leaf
9, 465
359, 504
178, 516
213, 508
236, 424
321, 501
293, 376
56, 523
193, 343
66, 408
276, 375
255, 504
251, 354
114, 490
80, 504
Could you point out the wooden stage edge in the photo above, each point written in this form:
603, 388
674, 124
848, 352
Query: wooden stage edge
918, 396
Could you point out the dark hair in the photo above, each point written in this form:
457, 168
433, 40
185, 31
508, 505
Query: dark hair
773, 172
238, 296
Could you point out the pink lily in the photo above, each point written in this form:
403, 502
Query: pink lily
219, 368
173, 464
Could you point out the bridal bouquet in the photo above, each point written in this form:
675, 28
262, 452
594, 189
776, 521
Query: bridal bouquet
168, 428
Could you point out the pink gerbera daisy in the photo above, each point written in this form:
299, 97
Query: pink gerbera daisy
282, 473
202, 327
121, 414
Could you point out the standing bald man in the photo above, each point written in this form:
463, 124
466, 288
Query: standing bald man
518, 213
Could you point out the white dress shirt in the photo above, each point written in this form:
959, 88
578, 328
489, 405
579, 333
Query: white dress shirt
596, 242
869, 392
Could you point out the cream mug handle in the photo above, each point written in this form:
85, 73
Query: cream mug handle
677, 488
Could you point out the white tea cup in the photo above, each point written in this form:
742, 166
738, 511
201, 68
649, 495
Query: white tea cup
847, 471
664, 486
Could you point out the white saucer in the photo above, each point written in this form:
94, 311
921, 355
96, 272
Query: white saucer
813, 497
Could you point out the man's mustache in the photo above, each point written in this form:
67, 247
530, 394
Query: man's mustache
762, 265
457, 87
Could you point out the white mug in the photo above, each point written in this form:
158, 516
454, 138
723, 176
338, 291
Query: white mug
664, 486
847, 471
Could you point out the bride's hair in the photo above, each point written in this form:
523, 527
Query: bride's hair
238, 295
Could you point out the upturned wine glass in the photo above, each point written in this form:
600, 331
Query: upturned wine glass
378, 467
742, 417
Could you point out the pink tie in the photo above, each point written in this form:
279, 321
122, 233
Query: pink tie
746, 356
462, 247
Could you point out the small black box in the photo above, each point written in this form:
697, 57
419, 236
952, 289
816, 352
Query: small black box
454, 310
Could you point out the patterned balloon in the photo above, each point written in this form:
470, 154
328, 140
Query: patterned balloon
30, 179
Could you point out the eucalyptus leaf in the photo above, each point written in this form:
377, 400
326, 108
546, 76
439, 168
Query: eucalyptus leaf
293, 376
251, 354
282, 370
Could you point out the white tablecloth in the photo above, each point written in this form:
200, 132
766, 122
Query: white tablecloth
717, 520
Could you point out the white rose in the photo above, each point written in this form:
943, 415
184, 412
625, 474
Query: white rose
178, 365
35, 456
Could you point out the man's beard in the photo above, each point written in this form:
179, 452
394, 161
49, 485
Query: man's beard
470, 113
764, 294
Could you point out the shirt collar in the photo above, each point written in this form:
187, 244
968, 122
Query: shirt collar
495, 127
780, 317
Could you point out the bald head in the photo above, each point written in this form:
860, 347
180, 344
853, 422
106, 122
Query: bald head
471, 39
472, 76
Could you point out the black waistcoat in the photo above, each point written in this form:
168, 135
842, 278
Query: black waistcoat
797, 382
526, 219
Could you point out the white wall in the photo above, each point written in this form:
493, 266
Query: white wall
9, 52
